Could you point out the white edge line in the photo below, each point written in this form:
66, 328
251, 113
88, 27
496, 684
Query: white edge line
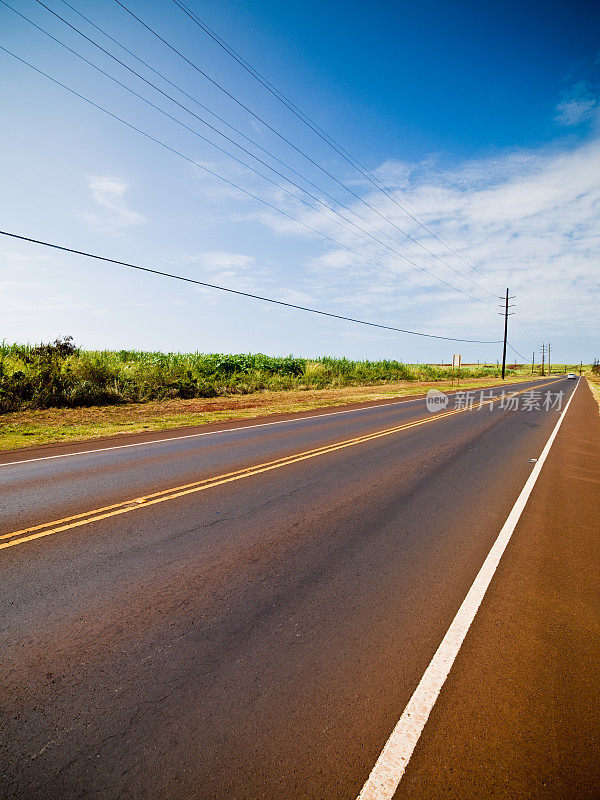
389, 768
204, 433
225, 430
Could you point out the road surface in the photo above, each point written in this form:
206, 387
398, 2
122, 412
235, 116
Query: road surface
246, 613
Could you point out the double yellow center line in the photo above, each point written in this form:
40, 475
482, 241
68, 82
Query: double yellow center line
77, 520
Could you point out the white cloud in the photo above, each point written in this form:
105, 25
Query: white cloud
572, 112
221, 260
528, 219
232, 270
534, 227
109, 195
577, 106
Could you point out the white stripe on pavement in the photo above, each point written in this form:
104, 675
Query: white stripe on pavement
391, 764
230, 430
204, 433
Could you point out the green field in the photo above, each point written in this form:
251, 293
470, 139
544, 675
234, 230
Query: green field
60, 393
62, 375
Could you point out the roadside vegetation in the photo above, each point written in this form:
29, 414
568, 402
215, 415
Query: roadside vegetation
593, 379
59, 393
63, 375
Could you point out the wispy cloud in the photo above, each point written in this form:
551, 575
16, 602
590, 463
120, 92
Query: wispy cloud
577, 106
113, 213
221, 260
528, 219
233, 270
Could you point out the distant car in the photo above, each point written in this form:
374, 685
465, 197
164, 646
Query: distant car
571, 376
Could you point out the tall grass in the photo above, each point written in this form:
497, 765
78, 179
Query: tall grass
60, 374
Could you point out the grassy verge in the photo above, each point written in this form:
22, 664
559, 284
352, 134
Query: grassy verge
594, 384
51, 425
61, 375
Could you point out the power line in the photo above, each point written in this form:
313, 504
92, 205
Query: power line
330, 141
215, 174
208, 141
210, 111
271, 155
176, 152
355, 163
221, 119
374, 179
212, 143
241, 133
525, 359
236, 291
292, 145
520, 318
524, 330
236, 144
529, 329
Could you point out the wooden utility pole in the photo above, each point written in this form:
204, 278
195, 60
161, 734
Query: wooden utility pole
505, 333
543, 358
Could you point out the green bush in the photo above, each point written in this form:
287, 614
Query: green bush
60, 374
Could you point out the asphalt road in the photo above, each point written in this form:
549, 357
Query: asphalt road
246, 613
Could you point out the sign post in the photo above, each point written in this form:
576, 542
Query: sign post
456, 359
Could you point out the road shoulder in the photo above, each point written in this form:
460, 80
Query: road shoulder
518, 715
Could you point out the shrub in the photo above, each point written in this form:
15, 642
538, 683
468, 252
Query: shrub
60, 374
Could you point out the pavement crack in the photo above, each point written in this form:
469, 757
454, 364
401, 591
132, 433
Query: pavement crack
252, 510
137, 709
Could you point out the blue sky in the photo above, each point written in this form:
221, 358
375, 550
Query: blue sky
483, 119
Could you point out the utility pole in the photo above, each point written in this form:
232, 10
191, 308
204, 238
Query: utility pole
549, 370
532, 361
543, 358
505, 333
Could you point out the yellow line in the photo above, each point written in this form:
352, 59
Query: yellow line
78, 520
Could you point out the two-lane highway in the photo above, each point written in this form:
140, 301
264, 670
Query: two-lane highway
244, 613
61, 484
